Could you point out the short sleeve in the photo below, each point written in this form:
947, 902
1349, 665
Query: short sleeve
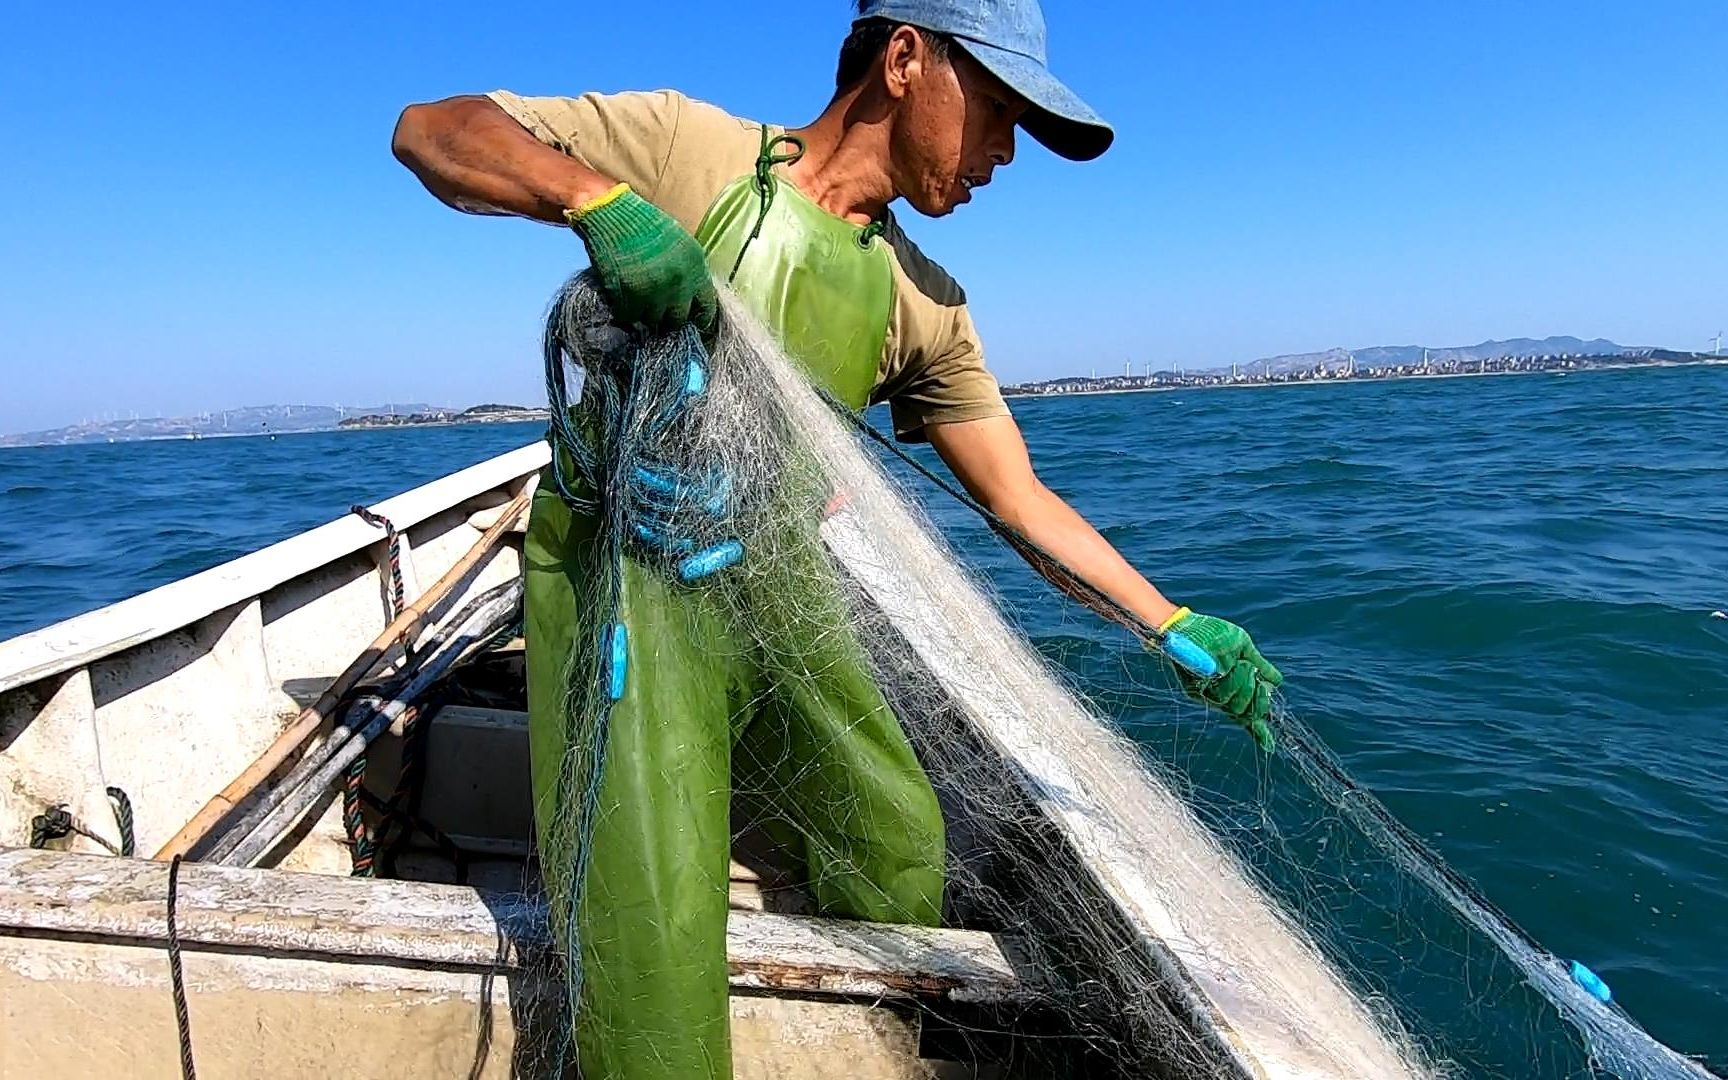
627, 137
944, 380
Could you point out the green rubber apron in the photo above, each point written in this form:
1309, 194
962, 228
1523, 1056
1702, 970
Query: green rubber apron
806, 737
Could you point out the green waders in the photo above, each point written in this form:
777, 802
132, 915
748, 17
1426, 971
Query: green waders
801, 727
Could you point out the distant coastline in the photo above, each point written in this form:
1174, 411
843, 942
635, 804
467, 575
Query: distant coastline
1158, 381
271, 421
479, 414
1517, 356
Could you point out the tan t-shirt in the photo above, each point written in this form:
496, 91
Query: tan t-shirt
678, 153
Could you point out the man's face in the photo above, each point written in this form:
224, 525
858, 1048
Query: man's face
955, 127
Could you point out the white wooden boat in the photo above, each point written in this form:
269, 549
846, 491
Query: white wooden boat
299, 969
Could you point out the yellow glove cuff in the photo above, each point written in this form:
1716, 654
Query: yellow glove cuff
618, 192
1175, 617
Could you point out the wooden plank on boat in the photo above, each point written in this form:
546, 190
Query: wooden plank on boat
47, 893
78, 641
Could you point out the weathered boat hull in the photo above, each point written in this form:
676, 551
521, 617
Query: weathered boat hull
299, 970
168, 695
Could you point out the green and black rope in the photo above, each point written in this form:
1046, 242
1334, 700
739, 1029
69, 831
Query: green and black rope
57, 823
362, 840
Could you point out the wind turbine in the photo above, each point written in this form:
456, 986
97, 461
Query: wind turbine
1717, 349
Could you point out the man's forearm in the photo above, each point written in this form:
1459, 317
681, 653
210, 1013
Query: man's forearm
474, 157
1053, 525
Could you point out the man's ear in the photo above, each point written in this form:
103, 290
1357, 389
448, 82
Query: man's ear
903, 60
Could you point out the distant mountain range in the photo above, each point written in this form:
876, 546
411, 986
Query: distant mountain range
1393, 355
253, 420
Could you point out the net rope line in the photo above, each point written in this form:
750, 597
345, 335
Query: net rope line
1547, 972
1554, 978
1609, 1025
1306, 743
779, 427
1265, 994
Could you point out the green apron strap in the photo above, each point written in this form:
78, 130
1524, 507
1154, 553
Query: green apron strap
766, 159
823, 284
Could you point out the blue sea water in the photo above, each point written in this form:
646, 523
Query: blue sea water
1492, 597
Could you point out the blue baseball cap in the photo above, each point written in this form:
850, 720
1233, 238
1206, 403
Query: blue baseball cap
1007, 37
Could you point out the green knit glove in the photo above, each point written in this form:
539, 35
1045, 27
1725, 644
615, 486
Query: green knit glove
1245, 680
653, 273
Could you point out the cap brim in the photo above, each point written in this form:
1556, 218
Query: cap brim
1058, 118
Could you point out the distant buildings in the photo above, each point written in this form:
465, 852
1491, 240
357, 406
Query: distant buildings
479, 414
1349, 370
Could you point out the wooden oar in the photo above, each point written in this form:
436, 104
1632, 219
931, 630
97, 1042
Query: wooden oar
405, 628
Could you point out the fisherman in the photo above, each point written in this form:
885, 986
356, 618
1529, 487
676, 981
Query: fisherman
667, 194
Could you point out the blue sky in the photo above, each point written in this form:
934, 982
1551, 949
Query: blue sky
201, 209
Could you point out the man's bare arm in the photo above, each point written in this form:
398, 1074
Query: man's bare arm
989, 458
476, 158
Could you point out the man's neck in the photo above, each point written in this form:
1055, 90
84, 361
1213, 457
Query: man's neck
844, 167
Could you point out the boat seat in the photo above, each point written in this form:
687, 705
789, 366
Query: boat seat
837, 992
463, 927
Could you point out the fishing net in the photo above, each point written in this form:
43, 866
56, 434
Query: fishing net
1189, 906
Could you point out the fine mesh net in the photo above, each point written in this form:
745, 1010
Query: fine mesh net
1183, 906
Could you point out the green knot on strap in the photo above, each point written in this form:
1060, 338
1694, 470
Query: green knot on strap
770, 156
872, 231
